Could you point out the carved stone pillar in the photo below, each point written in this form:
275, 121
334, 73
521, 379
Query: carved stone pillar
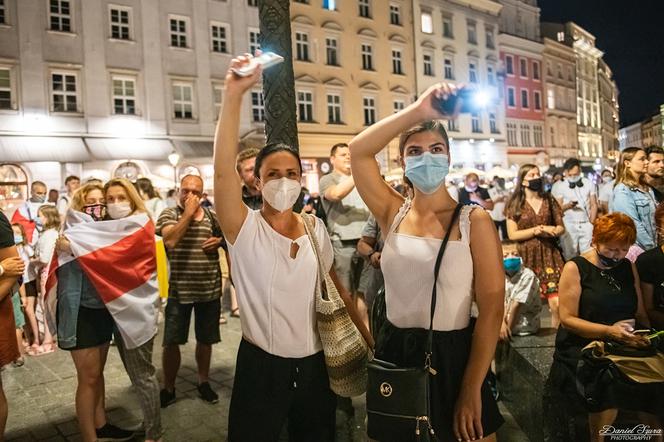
278, 81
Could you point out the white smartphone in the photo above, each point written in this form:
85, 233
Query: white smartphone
266, 60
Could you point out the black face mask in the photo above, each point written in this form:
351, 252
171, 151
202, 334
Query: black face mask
535, 184
606, 261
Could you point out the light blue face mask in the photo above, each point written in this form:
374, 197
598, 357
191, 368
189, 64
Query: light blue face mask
427, 172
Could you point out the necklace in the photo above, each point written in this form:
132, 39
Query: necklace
611, 280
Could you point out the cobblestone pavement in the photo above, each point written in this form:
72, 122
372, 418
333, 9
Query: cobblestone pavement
41, 398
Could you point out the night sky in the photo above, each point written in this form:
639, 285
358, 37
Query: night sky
631, 34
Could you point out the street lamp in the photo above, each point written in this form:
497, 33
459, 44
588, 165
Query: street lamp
174, 159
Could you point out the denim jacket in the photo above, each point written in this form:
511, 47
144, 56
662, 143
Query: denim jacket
640, 206
74, 290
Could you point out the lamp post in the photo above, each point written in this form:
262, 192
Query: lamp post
174, 159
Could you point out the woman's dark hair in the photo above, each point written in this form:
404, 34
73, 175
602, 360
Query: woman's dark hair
427, 126
144, 185
518, 198
273, 148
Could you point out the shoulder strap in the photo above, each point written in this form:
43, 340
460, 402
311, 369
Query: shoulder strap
439, 260
401, 214
309, 227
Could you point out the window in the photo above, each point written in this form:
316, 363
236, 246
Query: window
536, 70
330, 5
332, 51
453, 125
178, 32
5, 89
493, 124
367, 57
365, 8
490, 43
525, 135
472, 32
257, 107
428, 65
3, 12
449, 68
475, 122
64, 90
305, 106
395, 15
254, 41
14, 185
509, 65
559, 71
396, 62
334, 108
253, 3
124, 95
550, 98
219, 34
524, 98
183, 100
398, 105
448, 27
302, 46
427, 23
491, 75
570, 73
511, 134
217, 91
511, 97
59, 15
553, 136
369, 107
537, 98
472, 72
537, 136
120, 19
523, 63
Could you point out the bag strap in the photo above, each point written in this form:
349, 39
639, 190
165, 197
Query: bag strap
434, 291
308, 221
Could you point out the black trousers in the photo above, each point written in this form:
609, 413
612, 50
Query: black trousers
270, 391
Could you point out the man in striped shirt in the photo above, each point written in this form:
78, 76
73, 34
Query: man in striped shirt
192, 238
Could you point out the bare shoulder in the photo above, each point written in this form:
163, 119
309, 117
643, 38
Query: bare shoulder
480, 216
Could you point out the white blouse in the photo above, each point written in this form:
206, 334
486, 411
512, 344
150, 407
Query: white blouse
276, 293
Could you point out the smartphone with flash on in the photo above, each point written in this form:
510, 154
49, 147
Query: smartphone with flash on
266, 60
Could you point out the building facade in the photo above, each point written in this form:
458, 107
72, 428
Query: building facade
559, 64
608, 96
651, 131
112, 87
631, 136
457, 42
354, 65
521, 56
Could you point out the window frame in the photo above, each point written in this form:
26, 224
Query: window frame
527, 101
448, 18
257, 109
4, 13
337, 56
397, 62
182, 83
470, 23
423, 13
366, 111
332, 107
302, 45
523, 65
537, 101
124, 78
77, 93
473, 68
364, 7
397, 7
507, 101
450, 58
428, 67
509, 65
129, 25
490, 31
179, 34
59, 15
254, 45
12, 89
309, 105
476, 122
537, 68
367, 56
226, 39
217, 86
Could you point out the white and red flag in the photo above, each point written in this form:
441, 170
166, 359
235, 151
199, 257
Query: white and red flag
118, 257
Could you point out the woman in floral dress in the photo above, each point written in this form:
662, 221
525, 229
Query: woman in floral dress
534, 221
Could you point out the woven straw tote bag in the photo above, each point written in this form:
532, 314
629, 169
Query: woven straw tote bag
346, 353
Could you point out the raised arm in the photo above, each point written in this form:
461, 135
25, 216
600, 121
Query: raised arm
382, 200
231, 211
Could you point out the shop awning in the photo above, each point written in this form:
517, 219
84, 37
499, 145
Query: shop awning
129, 148
194, 149
28, 149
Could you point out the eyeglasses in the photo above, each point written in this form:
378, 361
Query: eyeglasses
611, 280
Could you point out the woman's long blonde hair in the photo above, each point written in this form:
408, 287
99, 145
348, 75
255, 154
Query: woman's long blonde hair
623, 173
78, 200
135, 199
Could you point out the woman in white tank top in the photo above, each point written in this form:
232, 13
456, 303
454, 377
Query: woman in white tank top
462, 407
280, 374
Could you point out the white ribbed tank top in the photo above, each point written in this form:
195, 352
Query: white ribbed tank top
408, 263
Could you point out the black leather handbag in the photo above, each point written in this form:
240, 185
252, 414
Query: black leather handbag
398, 407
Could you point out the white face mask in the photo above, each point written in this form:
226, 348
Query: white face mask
281, 194
118, 210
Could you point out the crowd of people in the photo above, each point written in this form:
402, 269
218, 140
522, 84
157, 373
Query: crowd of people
589, 248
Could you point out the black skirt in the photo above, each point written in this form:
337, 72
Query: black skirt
451, 350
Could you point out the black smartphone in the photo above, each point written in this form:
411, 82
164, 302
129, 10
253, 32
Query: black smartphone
467, 97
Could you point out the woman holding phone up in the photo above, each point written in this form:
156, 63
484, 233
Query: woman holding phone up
462, 407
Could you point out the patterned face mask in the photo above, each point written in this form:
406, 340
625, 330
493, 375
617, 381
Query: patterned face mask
96, 211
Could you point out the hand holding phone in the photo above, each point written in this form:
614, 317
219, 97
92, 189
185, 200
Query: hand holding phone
265, 60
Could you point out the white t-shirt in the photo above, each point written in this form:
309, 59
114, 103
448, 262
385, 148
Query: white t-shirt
580, 213
605, 191
275, 292
498, 211
46, 245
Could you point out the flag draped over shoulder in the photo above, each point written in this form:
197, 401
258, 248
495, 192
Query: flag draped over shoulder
118, 257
